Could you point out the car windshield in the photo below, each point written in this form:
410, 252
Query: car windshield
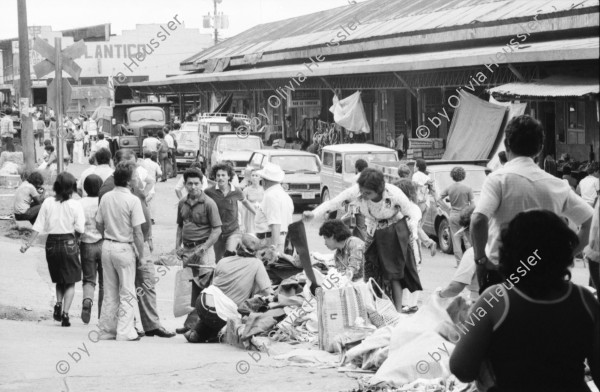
239, 144
351, 159
146, 115
187, 138
296, 163
474, 179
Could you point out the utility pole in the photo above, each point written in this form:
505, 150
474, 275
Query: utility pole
216, 25
60, 134
25, 87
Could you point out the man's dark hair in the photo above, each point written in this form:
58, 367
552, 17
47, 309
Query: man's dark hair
502, 157
160, 134
539, 233
192, 173
222, 166
421, 165
100, 136
64, 186
47, 142
8, 111
92, 160
92, 185
567, 170
408, 187
403, 171
592, 168
335, 228
123, 154
49, 148
102, 156
360, 165
524, 136
123, 173
36, 179
372, 179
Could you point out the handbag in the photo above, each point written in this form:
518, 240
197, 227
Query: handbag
384, 312
338, 311
183, 292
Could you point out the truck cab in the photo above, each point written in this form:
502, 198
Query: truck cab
219, 142
133, 122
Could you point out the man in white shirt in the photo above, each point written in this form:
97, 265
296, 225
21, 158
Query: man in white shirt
101, 169
7, 131
150, 145
101, 143
519, 186
589, 187
276, 210
171, 143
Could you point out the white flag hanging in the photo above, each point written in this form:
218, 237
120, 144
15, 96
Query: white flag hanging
350, 113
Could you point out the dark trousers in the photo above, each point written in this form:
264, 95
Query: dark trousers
594, 273
70, 150
209, 325
91, 266
30, 215
7, 144
173, 162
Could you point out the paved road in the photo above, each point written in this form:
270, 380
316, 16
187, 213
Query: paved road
31, 351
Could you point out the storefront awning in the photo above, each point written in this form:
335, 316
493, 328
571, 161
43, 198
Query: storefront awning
562, 50
554, 86
90, 92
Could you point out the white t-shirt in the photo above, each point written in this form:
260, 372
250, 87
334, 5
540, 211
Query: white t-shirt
101, 144
151, 144
588, 188
91, 235
169, 140
421, 179
519, 186
60, 218
276, 208
152, 167
102, 171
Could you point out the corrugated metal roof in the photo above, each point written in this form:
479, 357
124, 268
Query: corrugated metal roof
559, 50
381, 18
554, 86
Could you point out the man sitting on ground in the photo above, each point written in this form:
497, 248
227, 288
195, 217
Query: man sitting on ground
237, 278
29, 197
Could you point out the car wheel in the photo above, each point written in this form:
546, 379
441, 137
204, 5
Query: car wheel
444, 236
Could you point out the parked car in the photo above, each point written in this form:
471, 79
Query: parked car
436, 219
338, 174
188, 144
302, 180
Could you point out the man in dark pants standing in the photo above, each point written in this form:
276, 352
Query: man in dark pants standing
145, 276
198, 228
172, 147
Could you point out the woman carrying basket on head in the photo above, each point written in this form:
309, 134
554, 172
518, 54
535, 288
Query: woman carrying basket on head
389, 256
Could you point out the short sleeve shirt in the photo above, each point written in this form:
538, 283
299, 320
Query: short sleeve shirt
228, 207
58, 217
197, 218
276, 208
460, 196
519, 186
240, 278
465, 273
24, 197
351, 257
120, 211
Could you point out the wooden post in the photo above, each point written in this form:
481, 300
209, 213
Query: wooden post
27, 140
60, 134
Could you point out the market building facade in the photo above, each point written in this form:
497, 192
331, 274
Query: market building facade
409, 66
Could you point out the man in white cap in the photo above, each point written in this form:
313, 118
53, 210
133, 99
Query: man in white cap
276, 209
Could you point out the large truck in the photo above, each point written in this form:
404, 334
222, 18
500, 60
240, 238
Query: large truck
126, 125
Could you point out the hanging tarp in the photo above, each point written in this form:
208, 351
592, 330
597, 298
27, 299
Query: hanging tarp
103, 112
350, 113
514, 110
474, 129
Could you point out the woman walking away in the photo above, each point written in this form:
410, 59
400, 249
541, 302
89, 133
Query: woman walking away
61, 217
389, 253
460, 196
254, 193
535, 331
91, 248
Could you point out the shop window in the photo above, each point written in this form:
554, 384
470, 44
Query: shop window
576, 122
